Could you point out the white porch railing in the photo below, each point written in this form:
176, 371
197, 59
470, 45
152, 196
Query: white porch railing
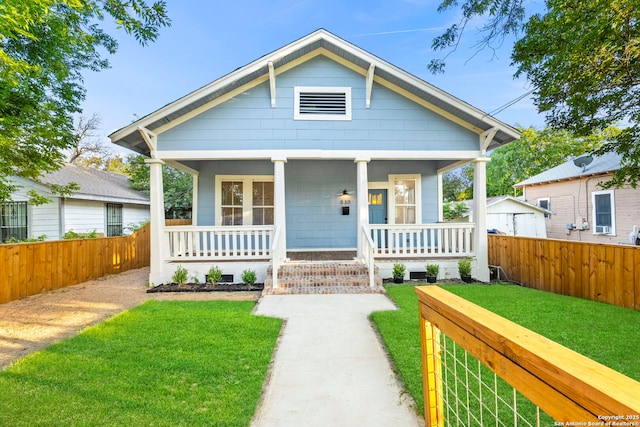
193, 243
429, 240
368, 254
279, 252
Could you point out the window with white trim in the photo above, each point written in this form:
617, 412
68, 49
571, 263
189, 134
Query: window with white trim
545, 204
322, 103
604, 212
244, 200
406, 198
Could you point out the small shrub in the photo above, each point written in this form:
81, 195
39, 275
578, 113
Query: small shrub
71, 235
464, 266
249, 277
399, 269
215, 275
180, 276
133, 227
433, 270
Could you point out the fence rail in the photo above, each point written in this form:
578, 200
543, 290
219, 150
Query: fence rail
31, 268
432, 240
600, 272
567, 386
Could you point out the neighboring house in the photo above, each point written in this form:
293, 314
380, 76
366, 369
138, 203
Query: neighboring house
104, 203
318, 146
512, 216
581, 209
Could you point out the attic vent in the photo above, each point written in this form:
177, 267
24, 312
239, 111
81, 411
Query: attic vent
322, 103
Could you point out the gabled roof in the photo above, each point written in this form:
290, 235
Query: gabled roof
442, 102
607, 163
96, 185
491, 201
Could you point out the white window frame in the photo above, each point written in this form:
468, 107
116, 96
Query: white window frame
321, 89
247, 200
548, 200
391, 199
611, 194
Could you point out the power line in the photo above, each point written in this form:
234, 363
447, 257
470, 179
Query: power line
510, 103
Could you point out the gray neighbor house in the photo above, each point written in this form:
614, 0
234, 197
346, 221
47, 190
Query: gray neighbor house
316, 150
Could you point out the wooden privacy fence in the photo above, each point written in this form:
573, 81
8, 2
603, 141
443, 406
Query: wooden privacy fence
555, 381
30, 268
599, 272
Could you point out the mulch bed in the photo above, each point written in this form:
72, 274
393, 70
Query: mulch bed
206, 287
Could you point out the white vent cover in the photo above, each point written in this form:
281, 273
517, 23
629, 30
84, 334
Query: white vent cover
322, 103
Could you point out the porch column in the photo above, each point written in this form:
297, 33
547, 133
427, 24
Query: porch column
480, 218
362, 190
156, 195
279, 214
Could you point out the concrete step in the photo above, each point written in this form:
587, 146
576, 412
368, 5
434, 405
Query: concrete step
327, 277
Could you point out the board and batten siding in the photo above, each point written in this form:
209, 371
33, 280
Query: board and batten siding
572, 199
247, 122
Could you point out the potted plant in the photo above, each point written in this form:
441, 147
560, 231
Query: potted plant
249, 278
398, 272
214, 276
432, 273
464, 268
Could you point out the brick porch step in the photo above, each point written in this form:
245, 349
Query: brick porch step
328, 277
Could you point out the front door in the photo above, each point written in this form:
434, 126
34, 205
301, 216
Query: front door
378, 213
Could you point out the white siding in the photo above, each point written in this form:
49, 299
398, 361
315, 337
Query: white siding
84, 216
134, 214
42, 219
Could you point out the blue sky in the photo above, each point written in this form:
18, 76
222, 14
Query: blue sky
208, 39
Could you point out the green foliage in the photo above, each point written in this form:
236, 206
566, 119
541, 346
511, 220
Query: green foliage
214, 355
214, 275
454, 210
585, 79
458, 184
40, 238
399, 270
133, 227
93, 234
464, 266
536, 152
178, 186
45, 45
433, 270
249, 277
180, 276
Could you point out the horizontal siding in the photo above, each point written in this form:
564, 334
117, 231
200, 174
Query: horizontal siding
84, 216
248, 121
43, 220
134, 215
572, 199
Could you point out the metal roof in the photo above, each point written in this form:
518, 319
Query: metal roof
96, 184
130, 137
609, 162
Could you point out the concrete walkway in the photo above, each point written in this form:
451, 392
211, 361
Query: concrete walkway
330, 368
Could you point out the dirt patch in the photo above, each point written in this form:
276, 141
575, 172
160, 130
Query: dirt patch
32, 323
206, 287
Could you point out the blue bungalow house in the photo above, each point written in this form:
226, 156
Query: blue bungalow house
318, 148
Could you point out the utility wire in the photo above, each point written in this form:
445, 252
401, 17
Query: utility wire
510, 103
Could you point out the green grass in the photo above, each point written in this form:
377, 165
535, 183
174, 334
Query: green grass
603, 332
162, 363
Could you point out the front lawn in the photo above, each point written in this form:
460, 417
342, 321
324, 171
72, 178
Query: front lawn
605, 333
162, 363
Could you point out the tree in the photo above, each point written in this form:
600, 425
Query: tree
45, 45
178, 186
87, 144
457, 184
582, 58
535, 152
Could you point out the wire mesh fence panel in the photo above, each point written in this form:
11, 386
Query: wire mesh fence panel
473, 395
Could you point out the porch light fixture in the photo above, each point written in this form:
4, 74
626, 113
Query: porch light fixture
345, 192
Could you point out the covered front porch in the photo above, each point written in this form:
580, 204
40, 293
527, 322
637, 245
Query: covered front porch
306, 212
